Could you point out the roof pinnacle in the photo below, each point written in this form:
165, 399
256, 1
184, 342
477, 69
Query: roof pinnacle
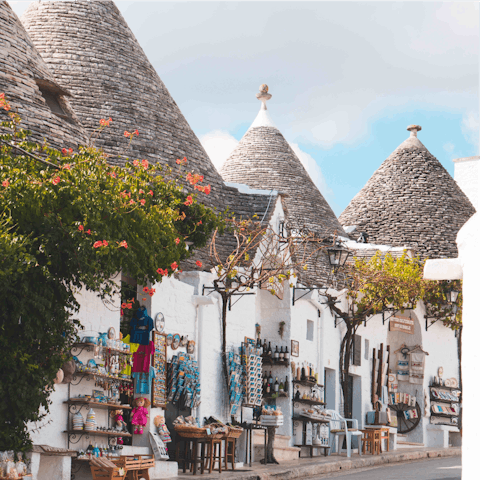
263, 96
414, 129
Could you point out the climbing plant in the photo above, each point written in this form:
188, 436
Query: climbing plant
70, 220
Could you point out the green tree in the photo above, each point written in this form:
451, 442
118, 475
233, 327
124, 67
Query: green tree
70, 220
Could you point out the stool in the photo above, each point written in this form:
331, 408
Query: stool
190, 454
371, 441
213, 454
385, 435
230, 452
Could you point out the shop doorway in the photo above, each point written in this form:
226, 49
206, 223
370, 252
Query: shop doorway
330, 388
171, 413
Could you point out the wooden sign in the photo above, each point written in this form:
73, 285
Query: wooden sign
159, 386
405, 325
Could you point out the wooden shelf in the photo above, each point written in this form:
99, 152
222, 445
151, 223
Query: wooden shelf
98, 433
307, 383
108, 350
445, 388
271, 361
441, 400
449, 415
308, 401
84, 401
308, 419
101, 375
275, 395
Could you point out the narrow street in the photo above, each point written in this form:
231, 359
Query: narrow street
435, 469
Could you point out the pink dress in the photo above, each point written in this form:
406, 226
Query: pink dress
139, 416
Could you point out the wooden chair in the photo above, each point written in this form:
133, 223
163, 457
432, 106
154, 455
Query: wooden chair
103, 469
213, 454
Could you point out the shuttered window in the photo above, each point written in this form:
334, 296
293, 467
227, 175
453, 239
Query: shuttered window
357, 350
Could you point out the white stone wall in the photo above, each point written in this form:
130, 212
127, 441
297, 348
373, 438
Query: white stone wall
466, 175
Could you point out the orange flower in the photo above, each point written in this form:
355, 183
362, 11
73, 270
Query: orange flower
105, 243
124, 305
145, 289
89, 231
189, 201
67, 166
129, 305
160, 271
64, 151
177, 241
198, 263
97, 244
142, 201
123, 243
80, 227
150, 193
199, 223
131, 202
136, 163
126, 134
145, 164
136, 132
174, 266
141, 191
178, 161
207, 190
56, 180
5, 183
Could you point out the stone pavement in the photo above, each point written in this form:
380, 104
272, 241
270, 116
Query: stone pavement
306, 467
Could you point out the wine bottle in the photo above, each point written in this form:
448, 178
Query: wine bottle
276, 385
286, 385
303, 372
265, 347
298, 373
282, 355
268, 388
286, 355
281, 387
276, 354
269, 352
270, 378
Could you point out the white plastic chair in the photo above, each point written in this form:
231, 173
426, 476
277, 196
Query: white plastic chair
339, 429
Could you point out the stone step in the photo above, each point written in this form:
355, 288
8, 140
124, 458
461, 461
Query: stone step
282, 454
280, 440
404, 443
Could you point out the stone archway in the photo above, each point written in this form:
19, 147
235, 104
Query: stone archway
395, 338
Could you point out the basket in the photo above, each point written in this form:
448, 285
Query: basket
190, 431
234, 432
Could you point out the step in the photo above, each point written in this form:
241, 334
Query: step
403, 443
280, 440
282, 454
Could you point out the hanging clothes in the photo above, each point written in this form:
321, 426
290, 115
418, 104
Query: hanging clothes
143, 381
141, 325
417, 366
133, 348
142, 358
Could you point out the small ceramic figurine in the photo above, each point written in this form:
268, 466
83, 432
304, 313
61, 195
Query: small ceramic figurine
120, 425
140, 414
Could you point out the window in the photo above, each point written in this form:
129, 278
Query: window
367, 348
357, 350
53, 94
310, 324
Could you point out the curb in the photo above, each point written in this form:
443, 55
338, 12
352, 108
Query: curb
304, 471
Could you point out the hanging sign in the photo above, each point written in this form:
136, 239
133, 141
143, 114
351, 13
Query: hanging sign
405, 325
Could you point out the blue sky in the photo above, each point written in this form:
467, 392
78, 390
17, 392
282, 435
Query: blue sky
347, 78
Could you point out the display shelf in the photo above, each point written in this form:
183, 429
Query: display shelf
445, 388
90, 346
100, 375
97, 433
301, 418
275, 395
84, 401
267, 360
311, 382
308, 401
449, 415
441, 400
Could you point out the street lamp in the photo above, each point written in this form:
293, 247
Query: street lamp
337, 256
452, 295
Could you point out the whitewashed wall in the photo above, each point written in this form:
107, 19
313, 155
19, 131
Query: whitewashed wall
467, 171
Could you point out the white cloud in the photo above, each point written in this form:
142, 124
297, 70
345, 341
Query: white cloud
449, 147
219, 145
470, 128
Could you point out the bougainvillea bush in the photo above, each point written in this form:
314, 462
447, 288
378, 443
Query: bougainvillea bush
69, 219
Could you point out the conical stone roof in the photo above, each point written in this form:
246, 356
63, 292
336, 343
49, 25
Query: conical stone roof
92, 52
23, 77
411, 200
263, 159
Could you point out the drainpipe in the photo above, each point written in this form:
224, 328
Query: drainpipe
321, 339
198, 301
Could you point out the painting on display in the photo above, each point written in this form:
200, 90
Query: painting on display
159, 388
295, 348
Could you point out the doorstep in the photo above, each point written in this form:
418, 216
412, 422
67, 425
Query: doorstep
306, 467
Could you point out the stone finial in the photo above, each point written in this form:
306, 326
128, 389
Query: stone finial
414, 129
263, 96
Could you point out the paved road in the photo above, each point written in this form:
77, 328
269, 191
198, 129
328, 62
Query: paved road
436, 469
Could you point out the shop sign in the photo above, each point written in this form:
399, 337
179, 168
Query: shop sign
405, 325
